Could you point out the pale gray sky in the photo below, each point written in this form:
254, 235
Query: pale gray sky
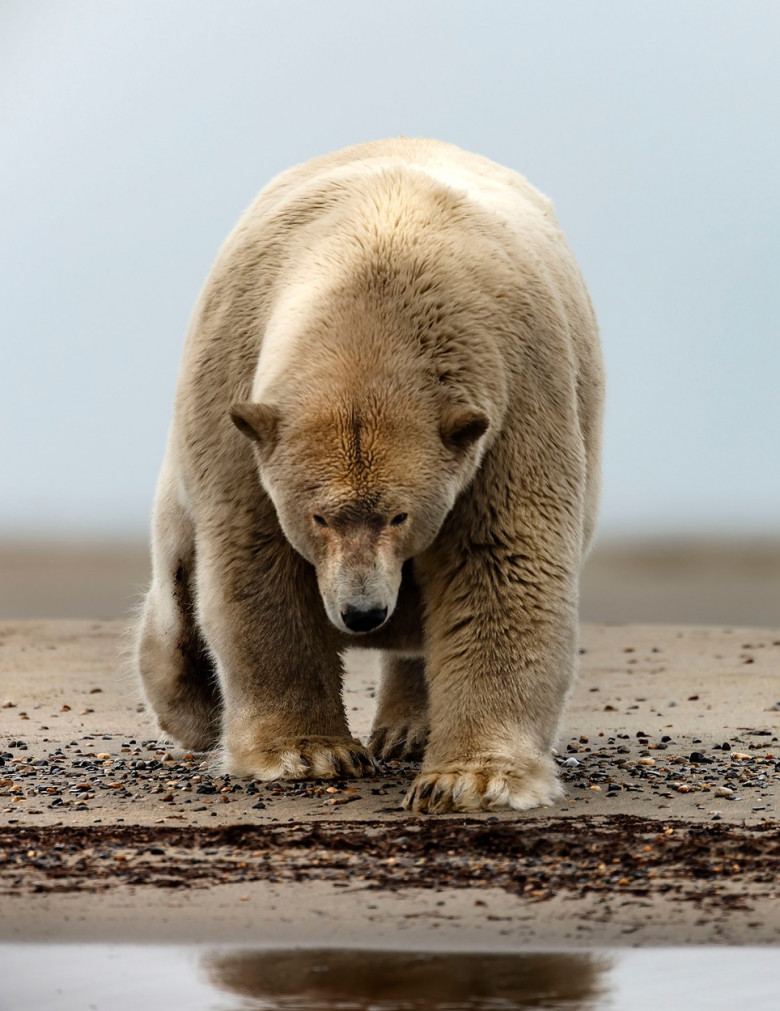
133, 135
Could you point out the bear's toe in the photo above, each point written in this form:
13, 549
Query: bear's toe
483, 788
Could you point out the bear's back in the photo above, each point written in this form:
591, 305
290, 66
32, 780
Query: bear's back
417, 207
493, 187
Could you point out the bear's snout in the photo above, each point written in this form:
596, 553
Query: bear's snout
359, 620
359, 577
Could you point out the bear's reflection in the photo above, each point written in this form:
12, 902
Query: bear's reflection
384, 980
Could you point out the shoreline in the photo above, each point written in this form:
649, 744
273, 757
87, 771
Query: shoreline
669, 752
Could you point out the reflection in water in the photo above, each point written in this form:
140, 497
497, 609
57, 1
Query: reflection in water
384, 980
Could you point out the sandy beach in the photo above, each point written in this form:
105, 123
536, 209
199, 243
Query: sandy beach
668, 833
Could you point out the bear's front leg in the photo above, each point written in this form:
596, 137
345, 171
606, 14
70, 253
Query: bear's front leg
279, 667
502, 642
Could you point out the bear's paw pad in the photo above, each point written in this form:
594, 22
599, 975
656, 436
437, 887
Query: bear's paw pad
483, 788
305, 758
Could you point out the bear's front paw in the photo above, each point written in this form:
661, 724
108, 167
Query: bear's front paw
303, 758
484, 786
399, 743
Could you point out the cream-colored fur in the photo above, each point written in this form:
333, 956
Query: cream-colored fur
386, 432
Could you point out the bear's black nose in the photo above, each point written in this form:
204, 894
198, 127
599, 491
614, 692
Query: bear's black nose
358, 620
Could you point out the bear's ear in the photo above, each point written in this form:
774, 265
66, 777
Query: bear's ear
257, 422
462, 426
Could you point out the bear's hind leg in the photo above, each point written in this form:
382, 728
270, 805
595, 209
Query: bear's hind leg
176, 671
171, 656
400, 729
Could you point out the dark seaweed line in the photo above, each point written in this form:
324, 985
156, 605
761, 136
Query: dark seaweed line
536, 858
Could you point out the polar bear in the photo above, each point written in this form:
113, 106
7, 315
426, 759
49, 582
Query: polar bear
386, 433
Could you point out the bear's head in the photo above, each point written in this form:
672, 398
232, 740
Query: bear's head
361, 482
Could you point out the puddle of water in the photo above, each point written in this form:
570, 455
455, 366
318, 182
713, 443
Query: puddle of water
60, 977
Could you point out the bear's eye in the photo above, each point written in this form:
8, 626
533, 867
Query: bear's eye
396, 521
319, 520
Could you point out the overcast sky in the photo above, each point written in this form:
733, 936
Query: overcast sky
133, 135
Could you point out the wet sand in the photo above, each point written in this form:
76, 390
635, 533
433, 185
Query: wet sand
668, 834
209, 977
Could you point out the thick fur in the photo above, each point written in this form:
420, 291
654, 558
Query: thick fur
389, 406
